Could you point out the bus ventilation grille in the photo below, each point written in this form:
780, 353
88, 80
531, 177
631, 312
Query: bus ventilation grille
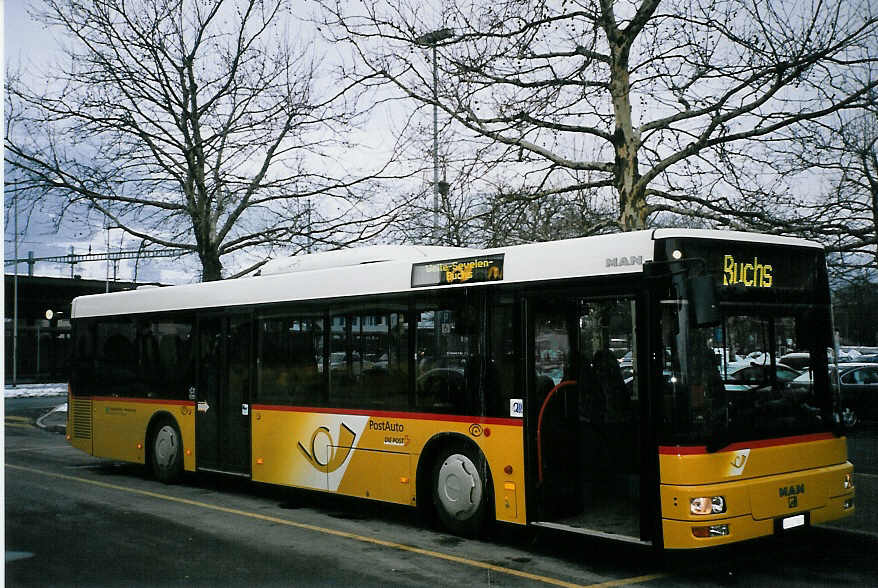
81, 419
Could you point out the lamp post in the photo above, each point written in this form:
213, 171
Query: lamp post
15, 304
432, 39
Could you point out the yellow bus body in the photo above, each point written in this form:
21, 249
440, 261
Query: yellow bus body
116, 428
762, 483
375, 455
354, 453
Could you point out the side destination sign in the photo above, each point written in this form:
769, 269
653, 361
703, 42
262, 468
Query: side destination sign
466, 270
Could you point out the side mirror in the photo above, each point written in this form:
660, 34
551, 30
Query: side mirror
702, 297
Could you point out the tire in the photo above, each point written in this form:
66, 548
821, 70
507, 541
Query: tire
461, 490
849, 418
166, 451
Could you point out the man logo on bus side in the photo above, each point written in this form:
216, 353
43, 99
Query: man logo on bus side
333, 459
623, 261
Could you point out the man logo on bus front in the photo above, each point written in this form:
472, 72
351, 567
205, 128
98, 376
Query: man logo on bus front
337, 453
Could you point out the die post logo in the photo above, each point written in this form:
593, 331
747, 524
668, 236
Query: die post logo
335, 453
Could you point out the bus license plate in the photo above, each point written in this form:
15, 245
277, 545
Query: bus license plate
792, 522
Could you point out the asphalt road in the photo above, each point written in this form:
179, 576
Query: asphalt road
74, 520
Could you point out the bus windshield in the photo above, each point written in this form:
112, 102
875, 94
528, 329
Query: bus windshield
730, 383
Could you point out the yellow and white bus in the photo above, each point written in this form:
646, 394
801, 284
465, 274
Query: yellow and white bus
626, 386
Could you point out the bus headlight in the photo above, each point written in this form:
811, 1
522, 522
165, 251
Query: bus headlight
705, 505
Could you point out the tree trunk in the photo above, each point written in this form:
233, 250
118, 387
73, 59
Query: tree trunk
626, 141
211, 266
875, 222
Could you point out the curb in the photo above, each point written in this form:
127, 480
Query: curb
54, 421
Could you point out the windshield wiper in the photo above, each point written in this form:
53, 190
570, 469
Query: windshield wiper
721, 436
719, 440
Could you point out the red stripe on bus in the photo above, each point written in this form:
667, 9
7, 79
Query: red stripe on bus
756, 444
140, 400
421, 416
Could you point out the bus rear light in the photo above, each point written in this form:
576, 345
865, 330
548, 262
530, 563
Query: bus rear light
705, 505
710, 531
848, 481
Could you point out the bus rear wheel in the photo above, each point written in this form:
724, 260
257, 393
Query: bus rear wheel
166, 451
461, 484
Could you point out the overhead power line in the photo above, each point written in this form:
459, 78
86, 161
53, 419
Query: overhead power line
108, 256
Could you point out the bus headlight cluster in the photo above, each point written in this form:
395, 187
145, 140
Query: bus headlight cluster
848, 481
705, 505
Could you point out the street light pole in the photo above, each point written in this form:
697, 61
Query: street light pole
435, 148
432, 39
15, 304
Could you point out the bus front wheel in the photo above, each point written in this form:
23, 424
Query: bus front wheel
166, 451
461, 485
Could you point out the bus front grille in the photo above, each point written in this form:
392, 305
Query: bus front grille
81, 412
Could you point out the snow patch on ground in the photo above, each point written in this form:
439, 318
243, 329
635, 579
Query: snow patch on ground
34, 390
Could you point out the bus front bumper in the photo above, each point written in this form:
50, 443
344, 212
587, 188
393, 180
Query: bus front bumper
757, 507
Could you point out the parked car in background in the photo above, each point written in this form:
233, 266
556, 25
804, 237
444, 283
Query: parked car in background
858, 354
745, 377
798, 360
858, 388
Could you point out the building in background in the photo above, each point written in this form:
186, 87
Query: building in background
43, 342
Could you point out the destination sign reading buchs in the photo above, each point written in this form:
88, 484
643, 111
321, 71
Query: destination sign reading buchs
465, 270
754, 269
764, 268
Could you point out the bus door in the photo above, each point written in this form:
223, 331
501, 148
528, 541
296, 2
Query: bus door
585, 437
222, 424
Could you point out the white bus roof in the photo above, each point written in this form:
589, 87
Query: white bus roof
388, 269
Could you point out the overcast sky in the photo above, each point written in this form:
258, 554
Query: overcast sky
30, 46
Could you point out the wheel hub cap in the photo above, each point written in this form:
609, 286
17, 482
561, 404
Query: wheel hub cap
165, 446
459, 486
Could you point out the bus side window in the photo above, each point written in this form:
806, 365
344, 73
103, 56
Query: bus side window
164, 363
289, 350
82, 375
382, 347
606, 335
369, 360
502, 367
116, 369
447, 359
175, 358
149, 374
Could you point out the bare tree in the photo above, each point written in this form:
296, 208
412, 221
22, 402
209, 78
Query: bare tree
660, 104
503, 217
199, 126
839, 156
475, 210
